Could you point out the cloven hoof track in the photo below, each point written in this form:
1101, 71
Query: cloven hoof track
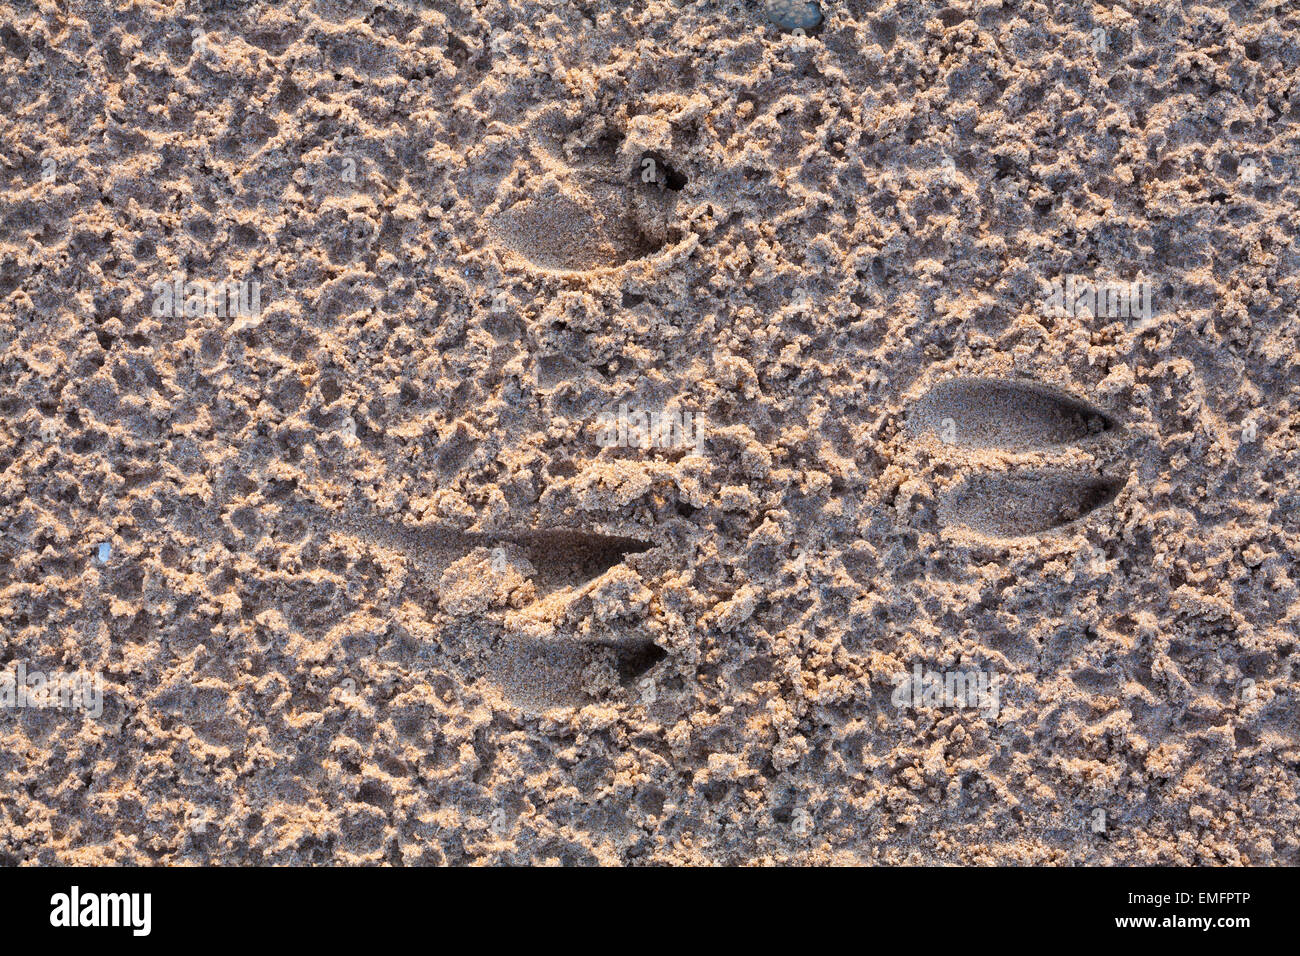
580, 220
535, 674
563, 203
1016, 416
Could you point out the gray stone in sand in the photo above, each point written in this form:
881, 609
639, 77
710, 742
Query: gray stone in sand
794, 14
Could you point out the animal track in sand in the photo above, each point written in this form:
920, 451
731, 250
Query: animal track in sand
538, 675
506, 590
576, 209
989, 413
565, 229
986, 413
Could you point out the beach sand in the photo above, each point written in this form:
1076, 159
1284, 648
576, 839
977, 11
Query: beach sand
643, 419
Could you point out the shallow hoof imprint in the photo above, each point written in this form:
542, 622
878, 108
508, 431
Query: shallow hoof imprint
467, 572
989, 413
978, 413
592, 217
1013, 505
563, 232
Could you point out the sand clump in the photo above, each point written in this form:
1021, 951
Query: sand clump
376, 591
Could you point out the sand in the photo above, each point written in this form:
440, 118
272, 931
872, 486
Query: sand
647, 414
